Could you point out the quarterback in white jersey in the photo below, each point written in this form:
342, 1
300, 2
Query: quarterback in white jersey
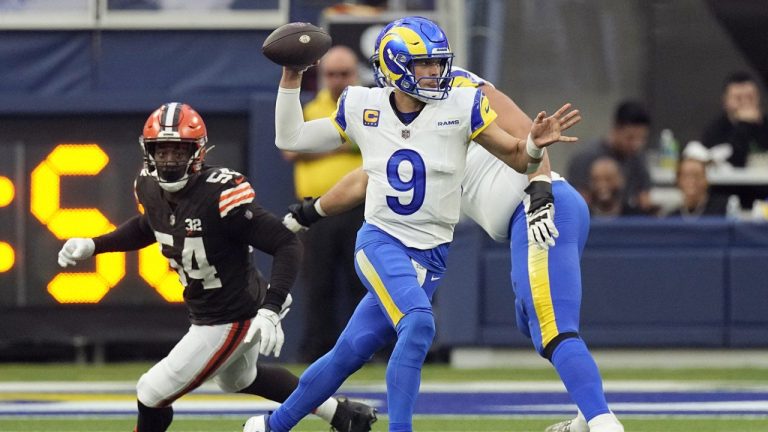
414, 169
499, 200
413, 137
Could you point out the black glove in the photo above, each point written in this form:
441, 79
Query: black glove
301, 215
540, 214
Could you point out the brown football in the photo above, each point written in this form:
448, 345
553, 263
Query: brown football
296, 44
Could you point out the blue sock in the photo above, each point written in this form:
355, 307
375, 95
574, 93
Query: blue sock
415, 332
319, 382
579, 373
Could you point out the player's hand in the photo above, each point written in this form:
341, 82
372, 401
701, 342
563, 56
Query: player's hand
303, 213
540, 215
267, 331
74, 250
298, 70
292, 224
548, 130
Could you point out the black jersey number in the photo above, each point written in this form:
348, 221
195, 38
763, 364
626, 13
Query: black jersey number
193, 251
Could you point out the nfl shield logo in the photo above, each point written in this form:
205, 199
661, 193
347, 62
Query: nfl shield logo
405, 133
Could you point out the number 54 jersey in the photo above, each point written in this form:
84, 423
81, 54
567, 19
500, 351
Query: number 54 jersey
414, 170
194, 230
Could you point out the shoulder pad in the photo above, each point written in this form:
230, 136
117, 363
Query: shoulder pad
234, 189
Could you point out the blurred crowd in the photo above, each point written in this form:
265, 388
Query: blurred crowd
614, 173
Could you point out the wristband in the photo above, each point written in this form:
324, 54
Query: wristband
319, 209
533, 151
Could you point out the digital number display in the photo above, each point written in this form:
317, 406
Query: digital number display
59, 180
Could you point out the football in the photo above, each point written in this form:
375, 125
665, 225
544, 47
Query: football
296, 44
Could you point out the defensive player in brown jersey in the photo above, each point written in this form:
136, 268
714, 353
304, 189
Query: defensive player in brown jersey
204, 220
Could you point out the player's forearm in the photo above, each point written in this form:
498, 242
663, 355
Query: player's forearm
345, 195
285, 266
265, 232
291, 79
293, 134
514, 155
544, 168
133, 234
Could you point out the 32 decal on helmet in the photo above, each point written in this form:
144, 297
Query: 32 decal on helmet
173, 143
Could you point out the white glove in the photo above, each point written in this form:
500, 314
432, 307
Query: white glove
267, 331
292, 224
280, 335
540, 214
541, 226
75, 249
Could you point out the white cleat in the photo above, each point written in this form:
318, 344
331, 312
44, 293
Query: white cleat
257, 424
605, 423
573, 425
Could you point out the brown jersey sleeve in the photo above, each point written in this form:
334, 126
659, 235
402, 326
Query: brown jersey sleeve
265, 232
133, 234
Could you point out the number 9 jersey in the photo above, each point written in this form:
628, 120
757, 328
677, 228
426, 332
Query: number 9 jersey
415, 169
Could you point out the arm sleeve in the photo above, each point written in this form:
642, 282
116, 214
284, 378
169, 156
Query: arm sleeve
292, 133
133, 234
265, 232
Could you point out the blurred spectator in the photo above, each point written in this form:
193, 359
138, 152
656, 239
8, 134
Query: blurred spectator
328, 274
693, 184
606, 189
742, 124
625, 143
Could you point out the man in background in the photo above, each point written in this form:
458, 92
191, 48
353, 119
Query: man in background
742, 124
625, 143
328, 272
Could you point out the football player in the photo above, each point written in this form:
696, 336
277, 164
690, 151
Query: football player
205, 219
413, 136
499, 199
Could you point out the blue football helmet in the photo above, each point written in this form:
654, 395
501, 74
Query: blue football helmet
415, 39
378, 77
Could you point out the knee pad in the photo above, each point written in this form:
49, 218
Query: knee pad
550, 348
236, 376
416, 330
147, 393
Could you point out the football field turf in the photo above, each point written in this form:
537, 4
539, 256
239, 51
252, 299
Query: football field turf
66, 397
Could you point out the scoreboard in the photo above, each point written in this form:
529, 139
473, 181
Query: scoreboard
72, 176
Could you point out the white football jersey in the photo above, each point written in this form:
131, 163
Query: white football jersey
491, 190
415, 170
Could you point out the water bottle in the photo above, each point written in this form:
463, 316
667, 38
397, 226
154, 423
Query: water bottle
669, 150
733, 208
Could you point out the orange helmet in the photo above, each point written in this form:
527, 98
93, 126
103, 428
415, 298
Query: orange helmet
180, 131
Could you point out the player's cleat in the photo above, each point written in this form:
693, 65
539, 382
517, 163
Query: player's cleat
258, 423
572, 425
351, 416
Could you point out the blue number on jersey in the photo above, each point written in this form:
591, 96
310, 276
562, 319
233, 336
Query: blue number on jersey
417, 182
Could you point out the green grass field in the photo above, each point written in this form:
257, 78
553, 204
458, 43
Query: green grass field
129, 372
420, 424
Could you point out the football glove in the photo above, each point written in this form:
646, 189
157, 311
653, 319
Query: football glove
301, 215
267, 331
74, 250
270, 330
540, 214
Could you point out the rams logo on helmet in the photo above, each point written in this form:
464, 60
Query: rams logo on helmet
409, 40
